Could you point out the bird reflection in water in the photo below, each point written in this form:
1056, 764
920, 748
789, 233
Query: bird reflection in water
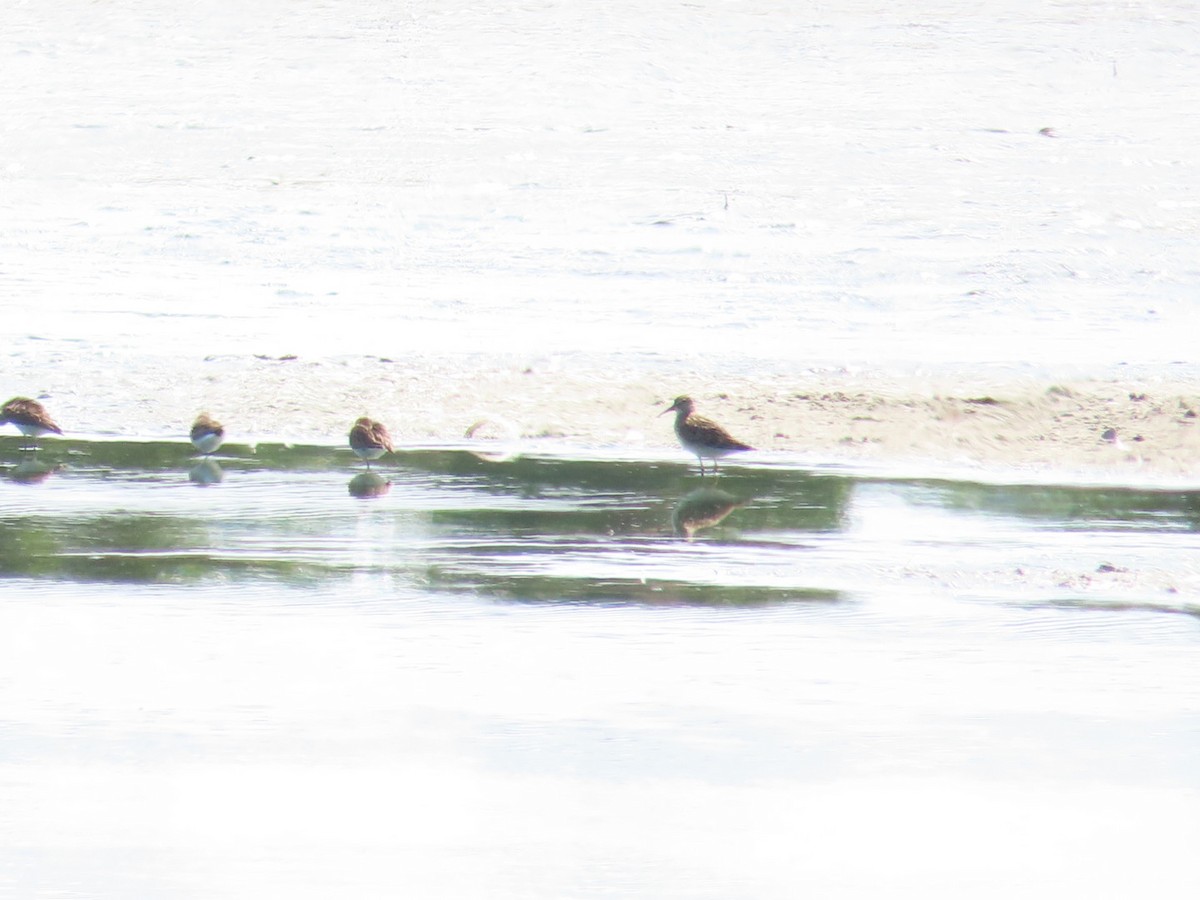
206, 472
703, 508
366, 485
31, 471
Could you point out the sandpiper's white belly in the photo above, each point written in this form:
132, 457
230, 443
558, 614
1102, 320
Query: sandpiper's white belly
31, 430
706, 450
207, 443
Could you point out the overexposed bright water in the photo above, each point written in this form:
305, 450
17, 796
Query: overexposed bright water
519, 680
858, 184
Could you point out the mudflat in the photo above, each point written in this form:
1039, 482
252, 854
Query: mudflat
1146, 427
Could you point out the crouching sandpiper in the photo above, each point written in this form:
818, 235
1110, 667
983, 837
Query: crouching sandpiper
369, 440
30, 417
207, 434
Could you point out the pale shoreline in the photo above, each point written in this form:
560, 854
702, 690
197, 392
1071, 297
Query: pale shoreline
1114, 427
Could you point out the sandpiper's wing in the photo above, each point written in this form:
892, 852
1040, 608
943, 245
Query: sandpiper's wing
380, 436
707, 432
23, 411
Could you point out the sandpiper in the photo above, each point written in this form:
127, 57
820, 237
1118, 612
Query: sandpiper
701, 436
30, 417
370, 439
207, 434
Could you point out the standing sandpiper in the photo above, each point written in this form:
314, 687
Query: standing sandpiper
370, 439
30, 417
701, 436
207, 434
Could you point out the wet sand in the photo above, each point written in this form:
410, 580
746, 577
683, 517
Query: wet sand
1141, 429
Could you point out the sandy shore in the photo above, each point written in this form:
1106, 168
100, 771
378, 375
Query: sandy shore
1147, 428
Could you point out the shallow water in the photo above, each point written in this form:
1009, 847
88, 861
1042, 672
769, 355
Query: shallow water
565, 676
617, 529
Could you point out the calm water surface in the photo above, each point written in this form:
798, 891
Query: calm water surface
277, 675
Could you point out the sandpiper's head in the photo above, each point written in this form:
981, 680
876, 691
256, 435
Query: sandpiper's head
682, 404
12, 405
